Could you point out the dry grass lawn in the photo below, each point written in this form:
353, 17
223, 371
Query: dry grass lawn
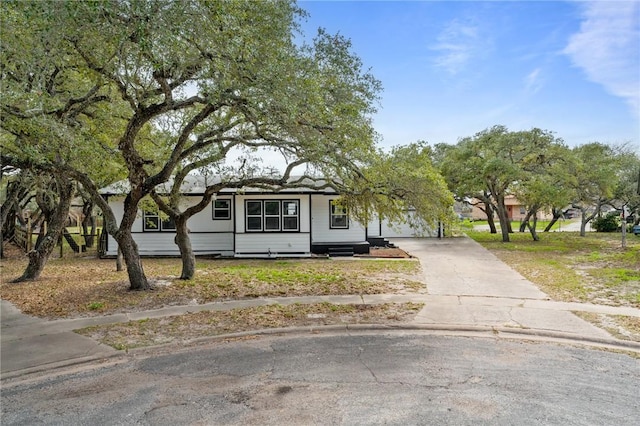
84, 286
186, 328
80, 285
571, 268
593, 269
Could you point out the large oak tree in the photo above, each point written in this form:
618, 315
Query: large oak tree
177, 85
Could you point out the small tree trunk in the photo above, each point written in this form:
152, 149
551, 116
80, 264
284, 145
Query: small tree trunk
38, 259
489, 210
556, 215
492, 224
532, 228
88, 221
584, 221
504, 220
525, 222
137, 279
39, 256
186, 251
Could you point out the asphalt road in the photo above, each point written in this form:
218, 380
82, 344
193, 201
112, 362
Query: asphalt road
341, 378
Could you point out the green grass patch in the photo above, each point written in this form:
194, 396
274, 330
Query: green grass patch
594, 268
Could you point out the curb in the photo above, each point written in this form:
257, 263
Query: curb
435, 329
54, 367
443, 330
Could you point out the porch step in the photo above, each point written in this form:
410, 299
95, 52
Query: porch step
380, 242
344, 251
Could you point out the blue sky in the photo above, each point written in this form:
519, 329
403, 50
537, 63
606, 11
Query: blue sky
451, 69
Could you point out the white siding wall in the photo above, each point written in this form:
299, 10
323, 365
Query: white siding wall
162, 244
217, 236
373, 229
399, 230
320, 218
208, 236
199, 222
274, 242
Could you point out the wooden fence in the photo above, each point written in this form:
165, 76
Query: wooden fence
24, 238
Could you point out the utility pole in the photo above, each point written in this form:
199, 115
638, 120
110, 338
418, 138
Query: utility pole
624, 226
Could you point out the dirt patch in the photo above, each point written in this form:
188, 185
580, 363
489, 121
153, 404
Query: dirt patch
621, 327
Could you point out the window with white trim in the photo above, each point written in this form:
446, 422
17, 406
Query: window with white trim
339, 219
290, 216
153, 222
254, 215
272, 215
221, 209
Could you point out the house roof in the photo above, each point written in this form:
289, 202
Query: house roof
197, 184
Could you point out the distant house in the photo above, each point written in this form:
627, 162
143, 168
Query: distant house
516, 211
251, 222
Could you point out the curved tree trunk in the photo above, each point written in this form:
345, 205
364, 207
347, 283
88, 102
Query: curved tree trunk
119, 261
525, 221
137, 279
186, 251
492, 224
583, 225
585, 220
39, 256
489, 210
556, 215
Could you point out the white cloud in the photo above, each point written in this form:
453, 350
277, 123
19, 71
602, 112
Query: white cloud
457, 44
607, 48
533, 81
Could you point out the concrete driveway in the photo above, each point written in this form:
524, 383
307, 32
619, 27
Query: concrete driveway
468, 286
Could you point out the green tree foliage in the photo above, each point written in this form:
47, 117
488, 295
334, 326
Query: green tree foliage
497, 162
545, 177
315, 122
165, 88
401, 181
627, 190
458, 165
595, 172
54, 113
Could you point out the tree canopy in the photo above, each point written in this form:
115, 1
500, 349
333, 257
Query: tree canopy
156, 90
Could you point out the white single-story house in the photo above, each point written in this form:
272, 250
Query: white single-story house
251, 222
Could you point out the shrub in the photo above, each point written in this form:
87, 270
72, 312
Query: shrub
608, 223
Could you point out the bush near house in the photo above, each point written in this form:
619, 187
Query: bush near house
608, 223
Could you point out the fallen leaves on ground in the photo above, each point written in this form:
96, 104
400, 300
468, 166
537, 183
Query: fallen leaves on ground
78, 285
